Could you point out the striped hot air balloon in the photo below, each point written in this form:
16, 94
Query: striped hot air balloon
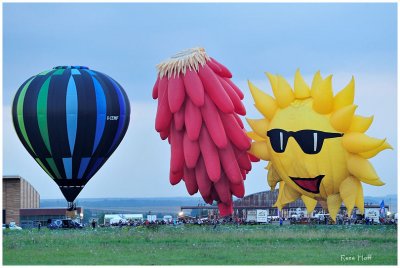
71, 119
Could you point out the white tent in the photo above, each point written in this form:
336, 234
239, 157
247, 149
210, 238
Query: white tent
116, 218
133, 216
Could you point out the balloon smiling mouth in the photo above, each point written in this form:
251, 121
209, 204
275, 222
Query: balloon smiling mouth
309, 184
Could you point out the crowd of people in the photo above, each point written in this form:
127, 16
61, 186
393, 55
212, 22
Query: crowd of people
193, 221
325, 219
341, 219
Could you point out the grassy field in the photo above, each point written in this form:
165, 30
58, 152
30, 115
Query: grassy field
203, 245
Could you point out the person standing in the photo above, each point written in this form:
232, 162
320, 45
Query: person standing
39, 226
93, 224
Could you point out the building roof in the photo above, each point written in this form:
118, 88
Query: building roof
122, 216
46, 211
12, 177
267, 199
18, 178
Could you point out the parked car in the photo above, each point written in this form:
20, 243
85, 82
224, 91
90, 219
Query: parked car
11, 227
63, 224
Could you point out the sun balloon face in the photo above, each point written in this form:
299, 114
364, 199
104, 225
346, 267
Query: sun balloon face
314, 142
302, 153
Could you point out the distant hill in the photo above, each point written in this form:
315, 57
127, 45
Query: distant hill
390, 200
123, 202
167, 204
97, 206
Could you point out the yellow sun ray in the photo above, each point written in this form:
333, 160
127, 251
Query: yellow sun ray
323, 96
301, 89
359, 142
284, 94
360, 123
260, 150
315, 83
342, 118
272, 177
263, 102
309, 202
373, 152
252, 135
363, 170
360, 198
259, 126
286, 195
345, 97
348, 194
273, 80
334, 202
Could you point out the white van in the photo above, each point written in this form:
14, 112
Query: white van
168, 218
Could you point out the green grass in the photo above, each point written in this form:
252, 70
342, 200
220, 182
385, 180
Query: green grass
202, 245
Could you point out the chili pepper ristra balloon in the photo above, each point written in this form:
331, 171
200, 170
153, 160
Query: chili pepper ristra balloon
198, 111
71, 119
315, 143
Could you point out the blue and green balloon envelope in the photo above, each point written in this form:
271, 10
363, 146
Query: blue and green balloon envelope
71, 119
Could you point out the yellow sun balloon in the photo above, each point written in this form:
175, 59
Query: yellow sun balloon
314, 142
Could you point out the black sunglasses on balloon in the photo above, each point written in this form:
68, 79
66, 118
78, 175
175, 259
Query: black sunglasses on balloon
309, 140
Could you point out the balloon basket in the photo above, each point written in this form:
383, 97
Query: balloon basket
71, 210
71, 214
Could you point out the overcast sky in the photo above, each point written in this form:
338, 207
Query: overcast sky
126, 41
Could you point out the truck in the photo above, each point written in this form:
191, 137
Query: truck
262, 216
372, 213
151, 218
251, 216
63, 224
257, 216
321, 216
168, 218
